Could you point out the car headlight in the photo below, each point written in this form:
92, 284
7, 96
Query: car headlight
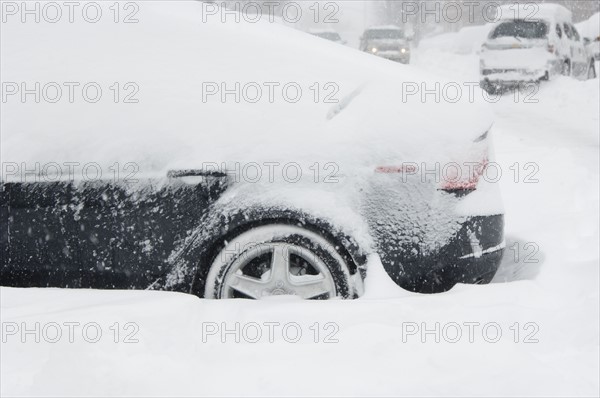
374, 50
403, 50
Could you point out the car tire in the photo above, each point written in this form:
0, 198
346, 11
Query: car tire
592, 70
488, 87
279, 259
566, 68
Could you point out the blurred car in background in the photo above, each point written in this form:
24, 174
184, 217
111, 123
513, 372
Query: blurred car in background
328, 34
590, 31
533, 48
593, 47
388, 42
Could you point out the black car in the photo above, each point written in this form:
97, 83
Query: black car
176, 237
367, 173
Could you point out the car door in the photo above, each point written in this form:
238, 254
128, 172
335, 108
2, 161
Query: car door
40, 231
580, 54
151, 222
4, 229
562, 49
568, 39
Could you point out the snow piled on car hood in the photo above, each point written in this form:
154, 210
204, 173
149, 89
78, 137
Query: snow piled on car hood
171, 53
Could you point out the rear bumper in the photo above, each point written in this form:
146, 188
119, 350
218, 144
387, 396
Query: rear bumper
513, 77
507, 73
473, 255
496, 85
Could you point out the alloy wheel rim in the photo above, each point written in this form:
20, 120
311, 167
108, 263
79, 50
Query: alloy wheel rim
273, 269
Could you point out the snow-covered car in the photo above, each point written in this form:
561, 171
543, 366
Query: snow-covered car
590, 31
533, 46
328, 34
388, 42
593, 47
198, 185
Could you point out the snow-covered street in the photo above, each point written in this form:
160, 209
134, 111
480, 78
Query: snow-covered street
534, 331
390, 342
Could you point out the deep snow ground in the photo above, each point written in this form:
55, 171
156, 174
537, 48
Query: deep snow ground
554, 141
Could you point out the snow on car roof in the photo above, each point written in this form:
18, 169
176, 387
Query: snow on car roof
534, 11
177, 92
385, 27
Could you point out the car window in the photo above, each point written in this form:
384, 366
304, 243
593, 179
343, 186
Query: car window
568, 31
559, 31
575, 33
522, 29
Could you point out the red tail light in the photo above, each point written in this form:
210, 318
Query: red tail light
465, 179
457, 176
405, 168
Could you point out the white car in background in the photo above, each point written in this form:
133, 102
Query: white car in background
532, 47
389, 42
590, 31
593, 47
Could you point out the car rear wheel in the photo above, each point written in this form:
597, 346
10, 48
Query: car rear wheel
276, 260
488, 87
592, 70
566, 68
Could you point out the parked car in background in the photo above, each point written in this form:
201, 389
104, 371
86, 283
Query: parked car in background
388, 42
328, 34
593, 47
533, 48
590, 31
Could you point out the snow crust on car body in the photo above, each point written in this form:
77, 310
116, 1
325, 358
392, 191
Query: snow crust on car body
379, 213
